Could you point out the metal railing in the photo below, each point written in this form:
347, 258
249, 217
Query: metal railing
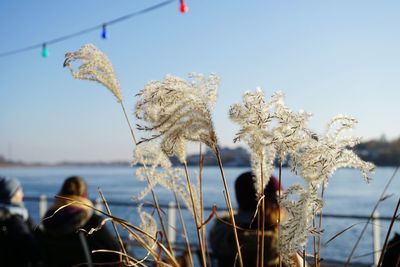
172, 210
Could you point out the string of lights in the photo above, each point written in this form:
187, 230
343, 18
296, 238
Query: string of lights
103, 27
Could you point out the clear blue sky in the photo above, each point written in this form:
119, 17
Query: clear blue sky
328, 57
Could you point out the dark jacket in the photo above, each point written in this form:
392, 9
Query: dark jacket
64, 245
223, 244
392, 254
17, 243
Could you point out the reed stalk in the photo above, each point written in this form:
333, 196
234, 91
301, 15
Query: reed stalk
279, 211
158, 209
156, 204
198, 229
320, 227
129, 124
369, 219
315, 245
262, 214
121, 244
137, 262
388, 234
204, 236
229, 205
258, 235
128, 226
184, 229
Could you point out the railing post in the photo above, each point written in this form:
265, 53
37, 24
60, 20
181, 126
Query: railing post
42, 206
98, 204
172, 222
376, 237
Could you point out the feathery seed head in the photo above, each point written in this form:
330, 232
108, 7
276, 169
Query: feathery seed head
319, 158
152, 157
270, 130
179, 111
148, 225
95, 67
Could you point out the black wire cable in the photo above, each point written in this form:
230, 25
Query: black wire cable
85, 31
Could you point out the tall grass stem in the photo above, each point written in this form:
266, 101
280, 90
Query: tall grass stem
229, 204
121, 243
388, 234
198, 230
129, 124
279, 211
369, 219
184, 229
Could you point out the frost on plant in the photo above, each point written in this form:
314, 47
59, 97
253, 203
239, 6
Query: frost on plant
179, 111
95, 67
270, 129
157, 170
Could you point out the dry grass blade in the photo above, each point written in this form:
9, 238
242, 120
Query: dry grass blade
340, 233
128, 226
60, 208
185, 235
388, 233
369, 219
386, 197
229, 204
121, 244
375, 251
212, 214
136, 262
103, 222
198, 230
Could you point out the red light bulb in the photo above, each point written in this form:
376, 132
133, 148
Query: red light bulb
182, 7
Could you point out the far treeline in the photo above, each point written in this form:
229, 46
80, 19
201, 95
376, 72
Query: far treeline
381, 152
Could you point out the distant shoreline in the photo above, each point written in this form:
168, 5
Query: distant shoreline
381, 152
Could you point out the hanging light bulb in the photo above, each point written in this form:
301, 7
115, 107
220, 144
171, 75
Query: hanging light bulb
45, 52
182, 7
104, 32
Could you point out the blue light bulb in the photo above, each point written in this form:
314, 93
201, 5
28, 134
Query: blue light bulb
104, 32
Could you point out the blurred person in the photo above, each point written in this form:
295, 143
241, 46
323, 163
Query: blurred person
222, 239
62, 241
17, 241
392, 253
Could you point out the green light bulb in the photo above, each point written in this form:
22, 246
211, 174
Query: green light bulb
45, 52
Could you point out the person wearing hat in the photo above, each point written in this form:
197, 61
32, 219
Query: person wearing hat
64, 240
222, 239
17, 242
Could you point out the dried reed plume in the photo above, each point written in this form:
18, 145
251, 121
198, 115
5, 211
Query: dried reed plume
95, 67
159, 171
179, 111
270, 130
273, 132
318, 158
149, 225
